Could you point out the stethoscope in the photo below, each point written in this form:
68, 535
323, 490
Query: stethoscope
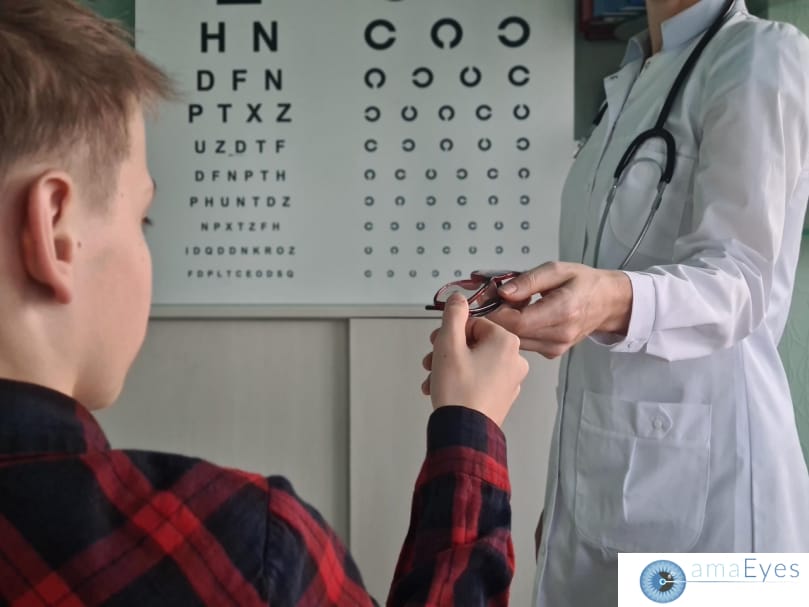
658, 131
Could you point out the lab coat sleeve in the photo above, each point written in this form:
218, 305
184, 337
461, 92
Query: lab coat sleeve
753, 129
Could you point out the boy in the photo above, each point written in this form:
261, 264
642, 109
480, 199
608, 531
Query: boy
82, 524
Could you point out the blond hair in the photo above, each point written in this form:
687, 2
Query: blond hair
69, 82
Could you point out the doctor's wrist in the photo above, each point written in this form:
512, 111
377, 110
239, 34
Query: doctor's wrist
618, 303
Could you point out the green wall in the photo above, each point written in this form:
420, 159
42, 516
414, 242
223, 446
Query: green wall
123, 10
795, 345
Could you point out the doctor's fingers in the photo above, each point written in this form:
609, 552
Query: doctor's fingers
425, 385
565, 334
539, 280
564, 307
485, 333
546, 349
508, 317
427, 362
550, 311
551, 341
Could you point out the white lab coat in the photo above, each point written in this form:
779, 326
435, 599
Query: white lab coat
681, 437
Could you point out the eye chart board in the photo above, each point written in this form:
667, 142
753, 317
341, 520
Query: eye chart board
342, 158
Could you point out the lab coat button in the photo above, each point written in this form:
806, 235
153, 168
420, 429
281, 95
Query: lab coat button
660, 423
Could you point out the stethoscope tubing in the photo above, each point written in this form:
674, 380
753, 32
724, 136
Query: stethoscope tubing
659, 131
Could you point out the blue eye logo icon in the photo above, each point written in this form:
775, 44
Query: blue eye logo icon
662, 582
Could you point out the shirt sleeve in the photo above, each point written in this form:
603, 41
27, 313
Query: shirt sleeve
306, 563
753, 131
458, 549
457, 552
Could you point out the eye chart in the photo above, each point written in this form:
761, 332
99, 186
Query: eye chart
355, 152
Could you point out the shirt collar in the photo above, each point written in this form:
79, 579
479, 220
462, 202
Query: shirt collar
38, 420
681, 29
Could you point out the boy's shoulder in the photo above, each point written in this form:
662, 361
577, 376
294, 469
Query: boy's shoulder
192, 480
234, 504
134, 520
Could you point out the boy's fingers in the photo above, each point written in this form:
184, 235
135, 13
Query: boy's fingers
425, 386
456, 314
483, 329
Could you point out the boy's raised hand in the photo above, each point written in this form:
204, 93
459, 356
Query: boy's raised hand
474, 363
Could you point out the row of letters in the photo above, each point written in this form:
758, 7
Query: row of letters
380, 34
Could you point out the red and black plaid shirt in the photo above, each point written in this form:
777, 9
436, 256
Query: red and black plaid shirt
82, 524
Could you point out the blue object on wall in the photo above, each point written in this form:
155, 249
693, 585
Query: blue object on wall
617, 8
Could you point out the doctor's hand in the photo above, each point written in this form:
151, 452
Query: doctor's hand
577, 300
474, 363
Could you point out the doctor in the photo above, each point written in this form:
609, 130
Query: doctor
675, 430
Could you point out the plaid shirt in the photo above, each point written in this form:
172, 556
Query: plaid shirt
82, 524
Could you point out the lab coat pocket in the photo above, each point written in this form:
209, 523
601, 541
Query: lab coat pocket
634, 200
642, 473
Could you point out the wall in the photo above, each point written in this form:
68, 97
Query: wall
795, 344
123, 10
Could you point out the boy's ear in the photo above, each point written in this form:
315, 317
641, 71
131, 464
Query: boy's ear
48, 242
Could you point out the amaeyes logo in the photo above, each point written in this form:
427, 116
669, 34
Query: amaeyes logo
662, 582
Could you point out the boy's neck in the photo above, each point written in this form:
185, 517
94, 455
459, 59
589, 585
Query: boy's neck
24, 357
